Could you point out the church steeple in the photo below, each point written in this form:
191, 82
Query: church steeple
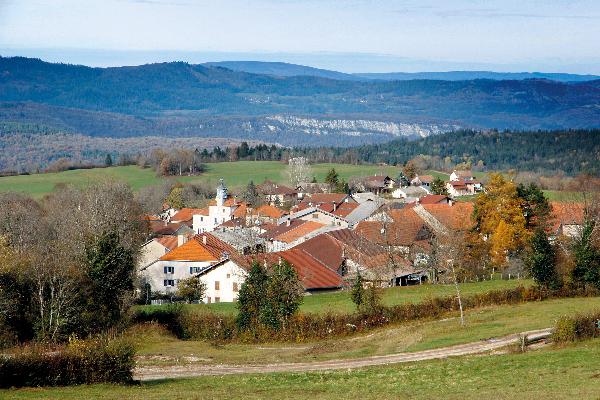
221, 193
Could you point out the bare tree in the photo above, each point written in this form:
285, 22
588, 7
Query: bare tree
298, 171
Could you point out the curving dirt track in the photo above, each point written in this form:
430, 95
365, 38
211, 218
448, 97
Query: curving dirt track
191, 370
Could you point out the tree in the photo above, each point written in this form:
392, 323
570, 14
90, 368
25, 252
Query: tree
587, 257
411, 169
108, 161
438, 186
299, 171
251, 298
535, 205
402, 179
175, 197
332, 179
191, 289
541, 261
358, 292
250, 195
499, 217
284, 295
110, 269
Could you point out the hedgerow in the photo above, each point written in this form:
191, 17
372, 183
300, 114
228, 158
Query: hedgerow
188, 324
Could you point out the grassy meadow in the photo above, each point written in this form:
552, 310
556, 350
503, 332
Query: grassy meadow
236, 174
340, 302
569, 372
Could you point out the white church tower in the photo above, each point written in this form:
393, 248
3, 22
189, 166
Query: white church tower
218, 212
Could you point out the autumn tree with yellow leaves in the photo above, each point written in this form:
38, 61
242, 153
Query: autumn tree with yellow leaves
499, 217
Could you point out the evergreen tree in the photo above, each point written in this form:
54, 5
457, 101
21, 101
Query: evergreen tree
587, 258
402, 180
535, 205
439, 187
110, 268
250, 194
314, 179
283, 296
541, 261
108, 161
251, 298
332, 179
358, 292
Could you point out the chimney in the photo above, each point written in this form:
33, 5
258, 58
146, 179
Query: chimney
181, 239
450, 202
203, 239
288, 222
334, 206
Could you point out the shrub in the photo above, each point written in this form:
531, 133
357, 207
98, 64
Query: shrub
91, 361
577, 327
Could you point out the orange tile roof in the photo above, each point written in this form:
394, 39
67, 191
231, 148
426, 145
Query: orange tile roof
196, 250
270, 211
240, 211
426, 178
458, 216
298, 232
191, 250
186, 214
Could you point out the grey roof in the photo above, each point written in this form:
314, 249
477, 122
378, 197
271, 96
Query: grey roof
239, 238
414, 191
363, 211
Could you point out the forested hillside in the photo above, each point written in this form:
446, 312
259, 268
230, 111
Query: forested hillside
570, 151
179, 99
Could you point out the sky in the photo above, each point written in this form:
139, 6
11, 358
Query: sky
348, 36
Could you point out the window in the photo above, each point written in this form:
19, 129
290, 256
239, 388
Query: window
217, 285
195, 270
228, 276
169, 282
217, 299
201, 219
315, 216
169, 270
215, 220
235, 286
208, 300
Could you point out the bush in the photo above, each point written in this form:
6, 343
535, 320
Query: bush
91, 361
577, 327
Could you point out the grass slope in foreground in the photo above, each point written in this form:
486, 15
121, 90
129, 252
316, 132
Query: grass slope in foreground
558, 373
235, 174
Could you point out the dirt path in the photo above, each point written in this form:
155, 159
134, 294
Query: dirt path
191, 370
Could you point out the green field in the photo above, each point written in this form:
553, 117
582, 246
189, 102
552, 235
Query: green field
235, 174
340, 302
570, 372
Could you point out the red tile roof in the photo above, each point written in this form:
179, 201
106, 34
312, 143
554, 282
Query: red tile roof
406, 228
312, 273
566, 214
162, 228
433, 199
170, 242
300, 231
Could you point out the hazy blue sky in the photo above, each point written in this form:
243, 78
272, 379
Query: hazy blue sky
352, 35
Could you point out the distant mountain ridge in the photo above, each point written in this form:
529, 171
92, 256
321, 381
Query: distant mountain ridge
177, 99
287, 69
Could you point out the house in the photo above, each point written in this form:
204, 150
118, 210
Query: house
157, 247
314, 275
306, 189
423, 180
275, 193
434, 199
185, 215
378, 184
566, 219
164, 228
245, 240
406, 232
185, 261
223, 208
290, 233
449, 217
461, 187
462, 175
409, 193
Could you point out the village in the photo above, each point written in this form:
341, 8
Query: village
385, 232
